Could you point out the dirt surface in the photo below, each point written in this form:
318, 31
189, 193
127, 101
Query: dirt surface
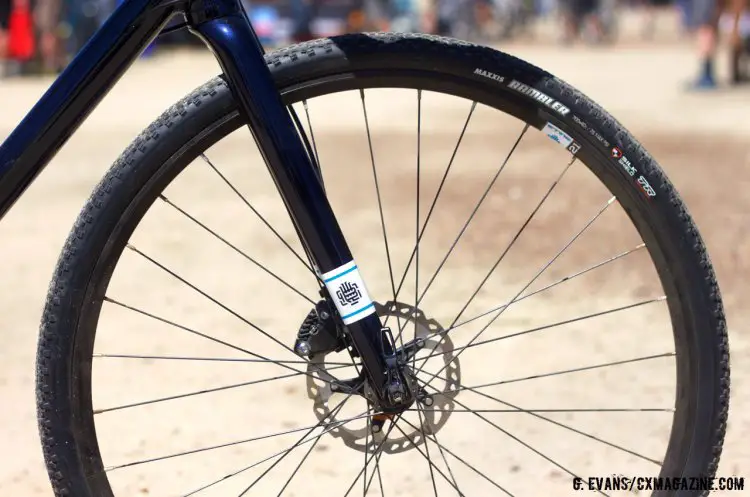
703, 142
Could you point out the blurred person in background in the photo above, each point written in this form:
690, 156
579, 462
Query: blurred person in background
19, 42
707, 15
404, 16
365, 15
30, 35
738, 24
649, 7
4, 18
376, 15
578, 15
84, 17
47, 20
303, 12
453, 18
440, 17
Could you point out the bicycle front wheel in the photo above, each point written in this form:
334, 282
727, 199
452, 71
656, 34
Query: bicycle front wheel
572, 322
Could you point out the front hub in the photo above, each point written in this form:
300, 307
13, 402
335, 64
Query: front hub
329, 379
320, 334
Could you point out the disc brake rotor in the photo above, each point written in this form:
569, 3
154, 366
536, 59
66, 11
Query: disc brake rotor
441, 390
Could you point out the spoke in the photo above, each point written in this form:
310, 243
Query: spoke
367, 449
217, 359
260, 216
201, 392
473, 213
334, 411
376, 454
416, 234
380, 478
334, 424
312, 154
380, 203
552, 285
434, 201
565, 371
195, 332
301, 441
515, 438
296, 470
512, 242
234, 247
312, 133
536, 276
440, 449
429, 461
655, 409
446, 449
427, 457
209, 297
372, 476
574, 430
213, 339
539, 328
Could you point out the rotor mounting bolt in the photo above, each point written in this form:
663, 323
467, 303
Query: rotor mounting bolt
427, 400
303, 348
377, 422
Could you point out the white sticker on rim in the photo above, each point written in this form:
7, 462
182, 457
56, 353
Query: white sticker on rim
347, 289
557, 134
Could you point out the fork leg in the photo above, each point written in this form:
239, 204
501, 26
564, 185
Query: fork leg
223, 25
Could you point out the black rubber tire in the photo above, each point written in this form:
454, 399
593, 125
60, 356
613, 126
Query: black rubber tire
91, 252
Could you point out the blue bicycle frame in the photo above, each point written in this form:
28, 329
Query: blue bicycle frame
224, 27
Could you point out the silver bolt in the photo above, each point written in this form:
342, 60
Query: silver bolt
324, 315
376, 428
427, 400
303, 349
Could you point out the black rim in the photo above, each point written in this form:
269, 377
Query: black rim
686, 408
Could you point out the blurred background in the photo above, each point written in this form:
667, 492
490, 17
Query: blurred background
41, 36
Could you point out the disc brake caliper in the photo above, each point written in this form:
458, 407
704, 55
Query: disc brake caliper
319, 333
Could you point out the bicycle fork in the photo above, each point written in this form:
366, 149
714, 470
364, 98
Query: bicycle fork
229, 34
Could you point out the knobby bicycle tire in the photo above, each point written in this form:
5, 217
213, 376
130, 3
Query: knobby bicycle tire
416, 61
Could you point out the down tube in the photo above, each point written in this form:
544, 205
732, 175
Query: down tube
75, 93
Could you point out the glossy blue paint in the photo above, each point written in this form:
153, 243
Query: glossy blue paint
229, 34
224, 26
76, 92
